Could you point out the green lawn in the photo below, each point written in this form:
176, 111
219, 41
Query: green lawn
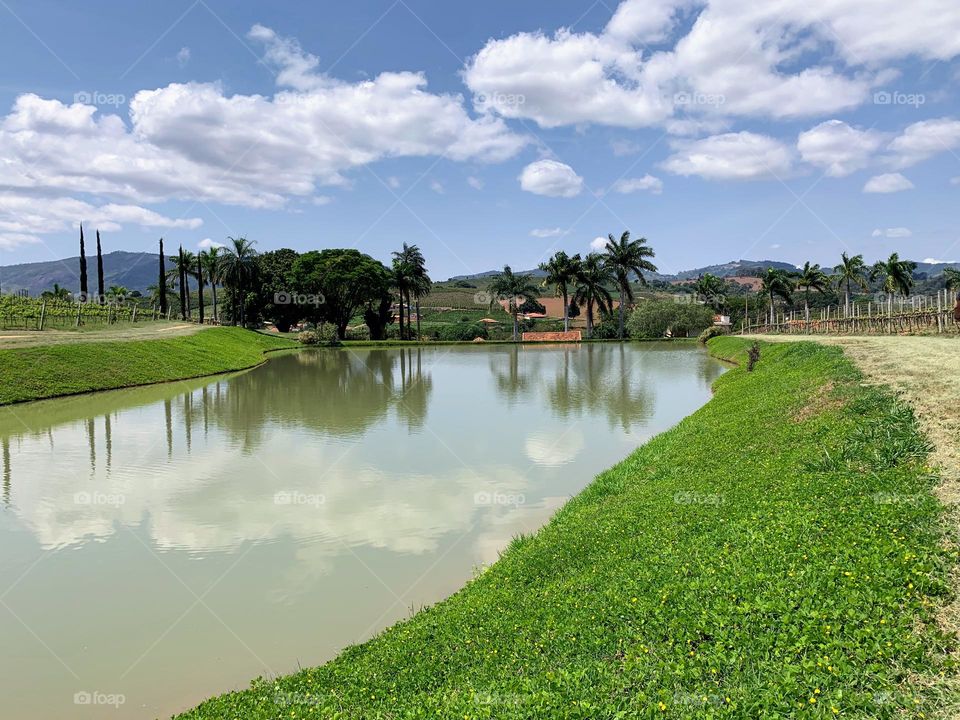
778, 554
32, 373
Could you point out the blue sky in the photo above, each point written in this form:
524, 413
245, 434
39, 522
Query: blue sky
487, 133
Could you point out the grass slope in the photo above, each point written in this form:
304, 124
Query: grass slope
775, 555
32, 373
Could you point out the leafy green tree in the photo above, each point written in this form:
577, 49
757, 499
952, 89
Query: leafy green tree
343, 282
562, 272
591, 287
276, 300
811, 277
236, 271
895, 274
628, 257
655, 318
777, 283
515, 289
851, 271
952, 278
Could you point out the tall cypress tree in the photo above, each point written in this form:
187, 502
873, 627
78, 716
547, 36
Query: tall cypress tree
183, 284
200, 283
162, 283
100, 269
83, 268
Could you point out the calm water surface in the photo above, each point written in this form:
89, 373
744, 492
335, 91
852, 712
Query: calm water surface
164, 544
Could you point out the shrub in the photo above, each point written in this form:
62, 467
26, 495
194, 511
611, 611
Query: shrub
461, 331
710, 333
308, 337
753, 357
361, 332
327, 334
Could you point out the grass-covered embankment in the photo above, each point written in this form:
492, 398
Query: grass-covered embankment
777, 554
33, 373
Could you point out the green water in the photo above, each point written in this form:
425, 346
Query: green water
164, 544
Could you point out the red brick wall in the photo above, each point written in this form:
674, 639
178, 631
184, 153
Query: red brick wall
571, 336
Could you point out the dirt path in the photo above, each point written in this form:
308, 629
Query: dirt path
147, 331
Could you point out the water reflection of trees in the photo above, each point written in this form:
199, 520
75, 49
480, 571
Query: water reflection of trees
600, 381
340, 393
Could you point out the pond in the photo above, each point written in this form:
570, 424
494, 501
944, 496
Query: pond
164, 544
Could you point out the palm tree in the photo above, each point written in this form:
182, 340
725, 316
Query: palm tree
515, 289
189, 263
561, 272
118, 293
777, 283
399, 278
58, 293
154, 295
626, 257
411, 279
712, 290
591, 289
199, 272
812, 277
851, 271
211, 266
896, 274
235, 272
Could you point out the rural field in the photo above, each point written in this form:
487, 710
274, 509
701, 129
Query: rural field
412, 359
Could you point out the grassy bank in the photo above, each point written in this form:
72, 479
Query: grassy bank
33, 373
777, 554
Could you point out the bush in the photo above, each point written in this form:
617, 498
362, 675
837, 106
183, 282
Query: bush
653, 318
308, 337
461, 331
710, 333
361, 332
327, 334
607, 329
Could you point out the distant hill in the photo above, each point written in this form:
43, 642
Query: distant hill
134, 271
734, 267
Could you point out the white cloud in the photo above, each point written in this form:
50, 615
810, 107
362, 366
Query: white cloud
896, 232
208, 243
194, 142
935, 261
25, 217
632, 185
393, 182
546, 232
437, 187
887, 183
475, 182
738, 58
923, 140
731, 156
892, 233
598, 244
838, 148
183, 57
551, 178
